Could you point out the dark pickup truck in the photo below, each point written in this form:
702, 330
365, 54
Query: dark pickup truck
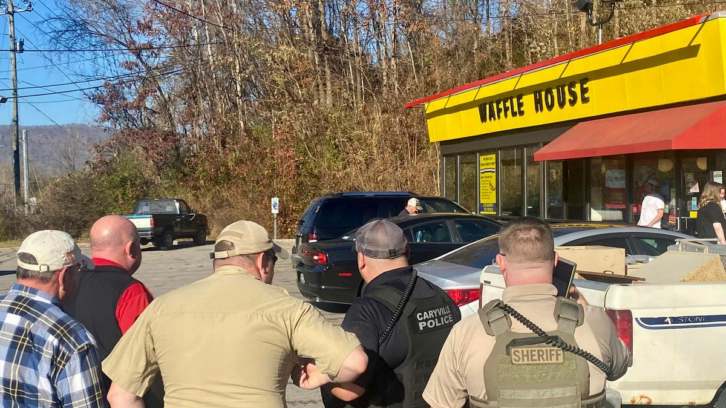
161, 221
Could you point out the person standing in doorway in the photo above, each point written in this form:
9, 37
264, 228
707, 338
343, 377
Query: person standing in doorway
653, 207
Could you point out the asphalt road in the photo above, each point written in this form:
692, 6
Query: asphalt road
164, 271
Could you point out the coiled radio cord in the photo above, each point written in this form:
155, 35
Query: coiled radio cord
399, 308
556, 343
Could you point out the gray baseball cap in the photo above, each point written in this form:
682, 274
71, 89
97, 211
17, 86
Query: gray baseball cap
381, 239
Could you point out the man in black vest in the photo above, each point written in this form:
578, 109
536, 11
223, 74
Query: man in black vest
108, 299
420, 315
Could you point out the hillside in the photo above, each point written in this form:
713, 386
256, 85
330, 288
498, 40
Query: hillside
53, 149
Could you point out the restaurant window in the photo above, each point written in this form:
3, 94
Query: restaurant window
511, 181
694, 175
607, 188
488, 183
532, 182
565, 190
450, 177
468, 179
574, 193
658, 169
555, 197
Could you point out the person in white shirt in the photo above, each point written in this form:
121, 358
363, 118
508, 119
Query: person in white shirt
651, 211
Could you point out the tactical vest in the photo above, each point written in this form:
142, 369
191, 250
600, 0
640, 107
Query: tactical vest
523, 371
428, 322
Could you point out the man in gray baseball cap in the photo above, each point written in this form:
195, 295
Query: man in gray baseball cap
401, 320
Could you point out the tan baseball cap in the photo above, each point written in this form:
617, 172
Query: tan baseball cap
247, 237
51, 248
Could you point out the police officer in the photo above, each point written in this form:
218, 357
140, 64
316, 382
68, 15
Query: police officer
402, 322
493, 359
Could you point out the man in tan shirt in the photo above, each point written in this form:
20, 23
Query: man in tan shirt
526, 259
232, 339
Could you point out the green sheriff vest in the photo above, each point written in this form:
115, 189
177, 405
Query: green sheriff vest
523, 371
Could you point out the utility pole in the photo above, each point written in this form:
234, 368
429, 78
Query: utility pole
15, 47
25, 170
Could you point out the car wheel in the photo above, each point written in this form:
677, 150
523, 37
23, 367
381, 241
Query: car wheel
167, 240
200, 238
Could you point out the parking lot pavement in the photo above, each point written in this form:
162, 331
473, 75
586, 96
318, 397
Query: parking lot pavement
164, 271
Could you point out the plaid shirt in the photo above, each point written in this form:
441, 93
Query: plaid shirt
47, 359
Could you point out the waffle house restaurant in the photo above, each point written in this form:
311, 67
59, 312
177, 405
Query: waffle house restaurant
578, 136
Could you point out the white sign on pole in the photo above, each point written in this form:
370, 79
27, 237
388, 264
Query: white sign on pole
275, 205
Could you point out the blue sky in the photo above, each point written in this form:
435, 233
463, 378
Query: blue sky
63, 108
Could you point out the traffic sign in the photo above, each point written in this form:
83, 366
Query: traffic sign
275, 205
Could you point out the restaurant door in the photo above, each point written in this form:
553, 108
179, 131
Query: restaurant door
694, 174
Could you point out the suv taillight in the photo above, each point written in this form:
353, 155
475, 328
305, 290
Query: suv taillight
623, 321
463, 296
319, 258
312, 237
152, 222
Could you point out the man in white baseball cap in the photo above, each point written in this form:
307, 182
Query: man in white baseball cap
38, 340
412, 207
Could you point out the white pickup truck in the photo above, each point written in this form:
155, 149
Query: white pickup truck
676, 332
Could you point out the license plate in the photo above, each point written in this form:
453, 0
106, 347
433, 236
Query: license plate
301, 278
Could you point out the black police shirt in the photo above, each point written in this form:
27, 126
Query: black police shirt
368, 318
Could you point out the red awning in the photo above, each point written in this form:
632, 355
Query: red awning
700, 126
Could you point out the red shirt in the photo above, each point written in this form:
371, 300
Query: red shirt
132, 302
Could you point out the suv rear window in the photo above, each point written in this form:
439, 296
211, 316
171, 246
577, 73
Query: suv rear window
441, 206
352, 213
309, 214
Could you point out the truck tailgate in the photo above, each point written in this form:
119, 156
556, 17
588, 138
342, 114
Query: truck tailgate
677, 334
140, 221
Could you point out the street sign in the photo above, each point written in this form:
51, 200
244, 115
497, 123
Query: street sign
275, 205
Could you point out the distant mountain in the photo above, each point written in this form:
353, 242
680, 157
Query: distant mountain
54, 149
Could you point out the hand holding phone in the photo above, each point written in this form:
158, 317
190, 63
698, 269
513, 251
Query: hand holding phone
576, 296
562, 277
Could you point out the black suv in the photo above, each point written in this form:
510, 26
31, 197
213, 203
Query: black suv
332, 215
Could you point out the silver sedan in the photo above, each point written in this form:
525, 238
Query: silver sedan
458, 272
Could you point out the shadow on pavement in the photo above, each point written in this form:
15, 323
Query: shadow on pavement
4, 273
332, 307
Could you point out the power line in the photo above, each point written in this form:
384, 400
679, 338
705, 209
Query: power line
56, 101
70, 98
190, 15
45, 56
51, 65
109, 78
85, 88
164, 47
43, 113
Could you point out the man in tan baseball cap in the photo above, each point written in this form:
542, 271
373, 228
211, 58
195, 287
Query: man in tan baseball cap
252, 242
231, 339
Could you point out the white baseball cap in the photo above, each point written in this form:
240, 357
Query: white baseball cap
51, 248
414, 202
